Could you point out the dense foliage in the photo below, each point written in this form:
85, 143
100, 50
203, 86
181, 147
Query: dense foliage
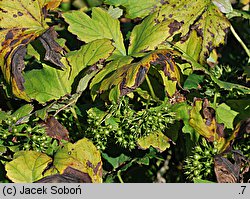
124, 91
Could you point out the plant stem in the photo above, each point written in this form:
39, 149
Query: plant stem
119, 176
241, 42
215, 99
78, 125
150, 87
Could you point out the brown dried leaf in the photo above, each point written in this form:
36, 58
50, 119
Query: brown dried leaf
70, 175
225, 171
55, 130
53, 49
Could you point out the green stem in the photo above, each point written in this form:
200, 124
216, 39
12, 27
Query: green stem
215, 98
119, 176
21, 135
241, 42
150, 87
78, 125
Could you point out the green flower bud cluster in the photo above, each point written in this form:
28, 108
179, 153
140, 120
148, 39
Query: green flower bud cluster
23, 135
200, 164
128, 125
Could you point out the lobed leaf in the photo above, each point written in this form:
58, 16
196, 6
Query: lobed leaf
101, 26
201, 16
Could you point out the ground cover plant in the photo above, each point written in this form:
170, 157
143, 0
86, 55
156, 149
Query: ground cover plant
124, 91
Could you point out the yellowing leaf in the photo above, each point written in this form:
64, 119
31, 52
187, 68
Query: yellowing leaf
21, 21
52, 4
192, 46
101, 26
203, 17
157, 140
198, 123
129, 77
27, 166
108, 69
82, 156
205, 124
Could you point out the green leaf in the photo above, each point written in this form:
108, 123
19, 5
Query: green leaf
60, 81
110, 120
82, 156
83, 83
225, 115
157, 140
136, 8
192, 46
101, 26
23, 111
115, 12
169, 85
193, 81
238, 13
182, 113
3, 115
117, 161
93, 3
97, 113
27, 166
242, 106
222, 84
147, 35
224, 5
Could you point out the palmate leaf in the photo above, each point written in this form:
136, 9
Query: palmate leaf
131, 76
50, 83
101, 26
203, 17
21, 22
